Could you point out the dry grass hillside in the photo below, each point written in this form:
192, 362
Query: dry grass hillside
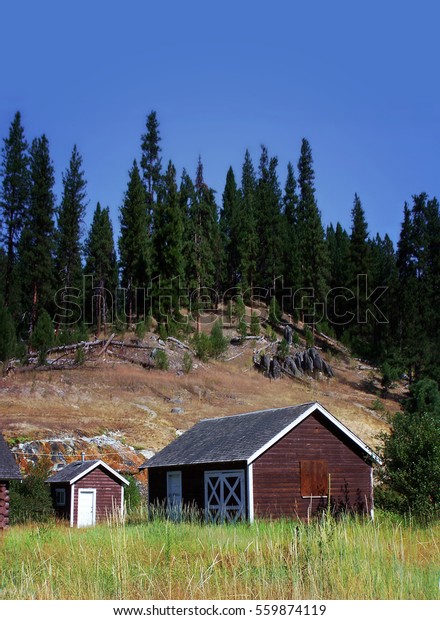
145, 409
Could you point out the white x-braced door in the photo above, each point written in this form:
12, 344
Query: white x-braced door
225, 496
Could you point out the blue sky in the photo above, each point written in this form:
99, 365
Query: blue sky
360, 82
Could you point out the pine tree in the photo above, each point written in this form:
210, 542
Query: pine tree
384, 273
168, 244
186, 198
268, 208
407, 292
432, 312
70, 220
14, 197
36, 247
134, 244
151, 165
359, 244
43, 336
338, 245
203, 229
230, 225
248, 236
314, 267
101, 269
290, 231
8, 339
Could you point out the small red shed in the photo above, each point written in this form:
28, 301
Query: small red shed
9, 470
86, 492
278, 462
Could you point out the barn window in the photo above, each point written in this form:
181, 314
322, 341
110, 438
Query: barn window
314, 478
60, 497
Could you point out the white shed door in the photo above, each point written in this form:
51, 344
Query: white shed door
86, 507
224, 496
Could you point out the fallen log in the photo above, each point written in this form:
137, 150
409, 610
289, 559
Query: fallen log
105, 347
74, 347
180, 344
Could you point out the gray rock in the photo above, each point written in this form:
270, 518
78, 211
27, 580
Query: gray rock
317, 359
288, 334
275, 369
307, 362
177, 410
326, 368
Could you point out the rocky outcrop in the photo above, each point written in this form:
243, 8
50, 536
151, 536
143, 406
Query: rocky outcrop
308, 362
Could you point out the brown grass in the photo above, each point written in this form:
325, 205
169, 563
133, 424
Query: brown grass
106, 395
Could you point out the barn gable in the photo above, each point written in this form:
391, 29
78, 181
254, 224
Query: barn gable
87, 491
242, 437
265, 463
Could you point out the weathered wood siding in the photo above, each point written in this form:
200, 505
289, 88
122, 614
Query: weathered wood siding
108, 493
193, 483
4, 504
277, 479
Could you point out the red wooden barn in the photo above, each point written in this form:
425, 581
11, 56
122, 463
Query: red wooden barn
87, 491
9, 470
273, 463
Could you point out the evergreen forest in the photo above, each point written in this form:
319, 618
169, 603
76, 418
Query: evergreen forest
181, 249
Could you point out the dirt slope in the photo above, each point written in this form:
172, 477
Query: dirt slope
147, 408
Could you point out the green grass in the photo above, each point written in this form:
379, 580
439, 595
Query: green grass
348, 559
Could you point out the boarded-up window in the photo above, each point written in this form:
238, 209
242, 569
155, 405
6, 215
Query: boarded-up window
314, 478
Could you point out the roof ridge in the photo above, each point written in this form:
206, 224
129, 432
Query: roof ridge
237, 415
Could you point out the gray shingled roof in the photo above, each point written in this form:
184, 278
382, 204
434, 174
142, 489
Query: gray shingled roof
71, 471
231, 438
9, 469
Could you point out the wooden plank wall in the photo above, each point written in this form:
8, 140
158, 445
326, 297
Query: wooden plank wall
108, 493
193, 483
4, 504
276, 473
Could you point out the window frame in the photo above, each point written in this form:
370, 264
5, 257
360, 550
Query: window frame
60, 501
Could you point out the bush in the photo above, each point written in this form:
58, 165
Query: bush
411, 454
389, 376
283, 349
187, 362
161, 359
202, 346
308, 335
141, 330
132, 495
240, 309
242, 327
31, 499
274, 317
43, 336
163, 332
255, 324
270, 334
219, 343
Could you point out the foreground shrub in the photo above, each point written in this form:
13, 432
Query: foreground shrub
30, 500
411, 470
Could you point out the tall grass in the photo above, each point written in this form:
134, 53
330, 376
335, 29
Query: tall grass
347, 559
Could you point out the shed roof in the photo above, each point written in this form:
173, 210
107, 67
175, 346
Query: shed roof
9, 469
78, 469
241, 437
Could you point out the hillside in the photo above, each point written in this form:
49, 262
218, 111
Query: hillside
123, 412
